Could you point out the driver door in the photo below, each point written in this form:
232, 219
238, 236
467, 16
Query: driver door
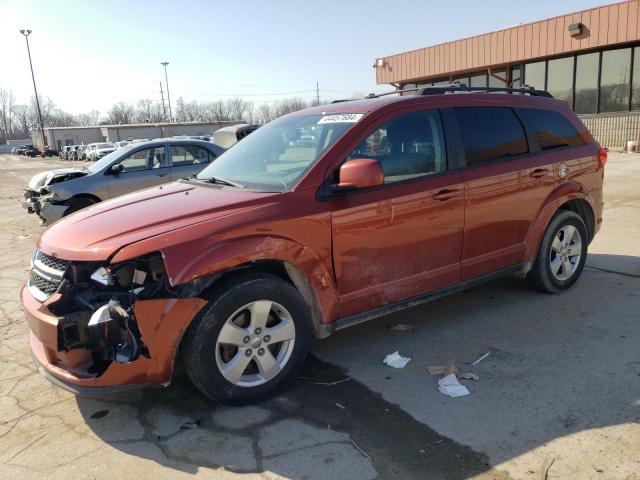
403, 238
143, 168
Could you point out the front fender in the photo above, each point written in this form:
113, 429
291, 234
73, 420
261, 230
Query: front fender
562, 194
183, 267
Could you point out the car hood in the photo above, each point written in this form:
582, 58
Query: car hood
99, 231
54, 176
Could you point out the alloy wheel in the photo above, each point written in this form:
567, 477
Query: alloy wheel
566, 253
255, 343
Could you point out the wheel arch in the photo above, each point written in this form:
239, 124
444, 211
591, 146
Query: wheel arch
568, 196
83, 196
282, 257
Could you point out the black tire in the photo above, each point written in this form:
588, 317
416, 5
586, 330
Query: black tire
541, 274
78, 204
200, 341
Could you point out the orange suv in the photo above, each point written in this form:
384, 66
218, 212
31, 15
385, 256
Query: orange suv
321, 219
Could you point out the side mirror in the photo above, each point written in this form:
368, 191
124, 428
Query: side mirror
359, 173
117, 168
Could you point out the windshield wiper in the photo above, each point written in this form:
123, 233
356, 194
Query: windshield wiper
224, 181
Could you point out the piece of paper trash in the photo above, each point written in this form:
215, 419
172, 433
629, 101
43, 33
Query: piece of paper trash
450, 386
469, 376
402, 327
396, 360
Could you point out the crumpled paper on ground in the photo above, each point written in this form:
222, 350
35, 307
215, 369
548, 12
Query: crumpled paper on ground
396, 360
450, 386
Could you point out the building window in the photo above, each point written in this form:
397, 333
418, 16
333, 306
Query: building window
496, 82
408, 86
515, 77
478, 80
560, 78
534, 75
463, 79
614, 80
586, 99
439, 82
635, 91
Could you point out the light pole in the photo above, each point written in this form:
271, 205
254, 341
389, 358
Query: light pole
166, 82
26, 34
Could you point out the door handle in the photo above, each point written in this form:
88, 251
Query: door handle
162, 175
443, 195
539, 173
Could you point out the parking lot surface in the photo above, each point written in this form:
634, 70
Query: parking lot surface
558, 395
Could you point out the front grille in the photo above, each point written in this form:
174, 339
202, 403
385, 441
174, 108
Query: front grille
48, 287
46, 275
53, 262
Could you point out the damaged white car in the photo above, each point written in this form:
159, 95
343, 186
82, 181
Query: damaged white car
54, 194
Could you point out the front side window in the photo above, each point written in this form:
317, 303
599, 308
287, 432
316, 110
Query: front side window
145, 159
406, 147
490, 133
277, 155
552, 129
189, 155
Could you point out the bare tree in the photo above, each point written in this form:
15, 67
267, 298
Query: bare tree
121, 113
148, 111
289, 105
7, 104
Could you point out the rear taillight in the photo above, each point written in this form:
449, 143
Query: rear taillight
602, 157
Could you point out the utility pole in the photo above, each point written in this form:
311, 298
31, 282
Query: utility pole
164, 110
166, 81
317, 94
26, 34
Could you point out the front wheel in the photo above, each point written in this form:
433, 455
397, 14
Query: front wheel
562, 254
250, 340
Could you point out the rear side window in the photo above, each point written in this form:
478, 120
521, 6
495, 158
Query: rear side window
189, 155
490, 133
552, 129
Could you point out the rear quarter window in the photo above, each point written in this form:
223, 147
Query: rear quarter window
490, 133
551, 129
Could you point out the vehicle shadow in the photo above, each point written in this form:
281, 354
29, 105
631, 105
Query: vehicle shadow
559, 366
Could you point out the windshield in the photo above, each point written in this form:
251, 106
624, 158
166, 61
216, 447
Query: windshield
274, 157
107, 159
104, 145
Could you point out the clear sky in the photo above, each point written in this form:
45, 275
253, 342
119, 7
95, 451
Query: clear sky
89, 54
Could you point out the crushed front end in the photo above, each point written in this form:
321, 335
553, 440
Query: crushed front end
96, 327
41, 197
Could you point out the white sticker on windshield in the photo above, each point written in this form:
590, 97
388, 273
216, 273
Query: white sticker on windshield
341, 118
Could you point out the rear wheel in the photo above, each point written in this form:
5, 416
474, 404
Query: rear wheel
249, 341
562, 254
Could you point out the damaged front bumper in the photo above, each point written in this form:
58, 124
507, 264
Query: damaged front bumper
159, 324
41, 206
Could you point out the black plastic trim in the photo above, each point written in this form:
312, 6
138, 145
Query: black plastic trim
419, 299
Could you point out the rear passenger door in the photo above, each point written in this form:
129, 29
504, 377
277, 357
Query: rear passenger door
143, 168
506, 180
187, 160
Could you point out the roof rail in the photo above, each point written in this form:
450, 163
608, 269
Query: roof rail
463, 87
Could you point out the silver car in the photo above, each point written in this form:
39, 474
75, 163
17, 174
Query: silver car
56, 193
